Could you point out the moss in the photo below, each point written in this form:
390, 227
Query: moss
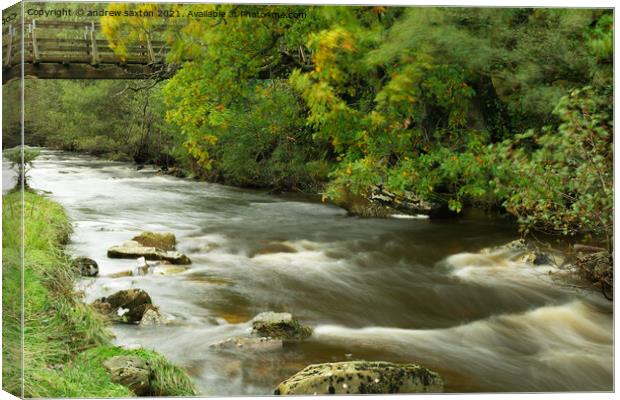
64, 339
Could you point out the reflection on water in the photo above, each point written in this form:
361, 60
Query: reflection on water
403, 290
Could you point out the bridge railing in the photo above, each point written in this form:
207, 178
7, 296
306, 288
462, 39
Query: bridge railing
70, 42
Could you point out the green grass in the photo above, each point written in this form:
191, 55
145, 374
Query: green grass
66, 341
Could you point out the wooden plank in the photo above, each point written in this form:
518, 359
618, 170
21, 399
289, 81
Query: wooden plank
60, 24
100, 42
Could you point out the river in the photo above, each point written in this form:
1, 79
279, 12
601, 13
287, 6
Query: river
401, 290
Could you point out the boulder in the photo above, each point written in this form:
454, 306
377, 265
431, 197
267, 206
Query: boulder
381, 203
130, 371
161, 240
126, 306
361, 377
251, 343
518, 245
133, 249
86, 266
279, 326
523, 251
537, 258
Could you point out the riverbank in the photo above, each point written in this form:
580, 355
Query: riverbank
65, 341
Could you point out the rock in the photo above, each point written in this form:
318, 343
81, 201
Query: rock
130, 371
515, 245
142, 267
280, 326
121, 274
86, 266
361, 377
537, 258
152, 316
585, 249
382, 203
126, 306
161, 240
407, 202
522, 251
133, 249
251, 343
273, 248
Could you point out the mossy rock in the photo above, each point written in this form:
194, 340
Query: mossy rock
93, 379
130, 371
86, 266
361, 377
125, 305
279, 326
161, 240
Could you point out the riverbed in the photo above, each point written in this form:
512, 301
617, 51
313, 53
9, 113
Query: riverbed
401, 290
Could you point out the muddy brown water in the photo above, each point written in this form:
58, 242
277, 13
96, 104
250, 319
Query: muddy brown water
401, 290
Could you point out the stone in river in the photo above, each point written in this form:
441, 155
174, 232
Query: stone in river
280, 326
126, 306
167, 269
133, 249
86, 266
361, 377
161, 240
250, 343
152, 316
130, 371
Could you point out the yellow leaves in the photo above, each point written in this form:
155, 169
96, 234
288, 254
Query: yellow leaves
329, 44
378, 10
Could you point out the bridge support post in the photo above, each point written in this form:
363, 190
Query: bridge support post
9, 49
149, 47
35, 46
93, 44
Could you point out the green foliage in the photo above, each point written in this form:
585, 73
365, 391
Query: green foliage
429, 100
566, 184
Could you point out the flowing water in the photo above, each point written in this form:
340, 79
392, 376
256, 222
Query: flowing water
401, 290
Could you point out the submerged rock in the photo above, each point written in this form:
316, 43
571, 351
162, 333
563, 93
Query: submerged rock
273, 248
161, 240
361, 377
126, 306
133, 249
86, 266
130, 371
523, 251
121, 274
164, 269
251, 343
279, 326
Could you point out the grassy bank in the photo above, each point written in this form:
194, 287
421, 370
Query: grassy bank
66, 341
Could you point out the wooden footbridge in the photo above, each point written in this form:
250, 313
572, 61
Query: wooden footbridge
76, 50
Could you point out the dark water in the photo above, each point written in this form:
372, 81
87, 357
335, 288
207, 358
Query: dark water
403, 290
